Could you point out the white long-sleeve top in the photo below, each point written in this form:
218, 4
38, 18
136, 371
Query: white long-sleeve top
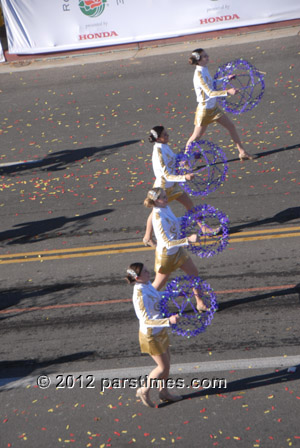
146, 305
166, 227
203, 85
163, 163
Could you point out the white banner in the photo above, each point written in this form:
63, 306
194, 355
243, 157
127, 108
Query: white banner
41, 26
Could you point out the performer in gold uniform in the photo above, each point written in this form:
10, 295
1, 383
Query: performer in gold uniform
169, 254
163, 163
153, 336
207, 111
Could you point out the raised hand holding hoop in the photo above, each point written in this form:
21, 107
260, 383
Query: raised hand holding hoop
207, 162
243, 76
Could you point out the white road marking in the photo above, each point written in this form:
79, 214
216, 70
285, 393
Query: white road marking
176, 370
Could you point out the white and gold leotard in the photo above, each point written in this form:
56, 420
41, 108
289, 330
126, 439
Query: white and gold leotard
166, 227
203, 85
163, 163
146, 305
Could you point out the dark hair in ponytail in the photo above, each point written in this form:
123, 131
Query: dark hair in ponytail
135, 268
196, 56
155, 133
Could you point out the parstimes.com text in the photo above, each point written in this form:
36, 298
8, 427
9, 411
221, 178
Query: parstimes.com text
171, 383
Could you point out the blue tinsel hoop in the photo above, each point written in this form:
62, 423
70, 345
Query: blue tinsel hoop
247, 79
211, 225
207, 162
178, 298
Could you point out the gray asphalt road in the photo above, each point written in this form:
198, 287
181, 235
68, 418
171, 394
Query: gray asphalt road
76, 166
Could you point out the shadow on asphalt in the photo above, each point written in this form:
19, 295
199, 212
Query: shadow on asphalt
252, 382
275, 151
12, 297
10, 370
280, 218
36, 231
60, 160
267, 153
279, 293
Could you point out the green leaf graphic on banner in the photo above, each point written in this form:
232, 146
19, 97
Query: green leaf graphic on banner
92, 8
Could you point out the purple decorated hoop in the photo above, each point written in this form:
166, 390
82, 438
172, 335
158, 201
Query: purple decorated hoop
207, 162
178, 298
211, 225
247, 79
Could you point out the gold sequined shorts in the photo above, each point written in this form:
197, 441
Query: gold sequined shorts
173, 193
165, 264
154, 344
204, 117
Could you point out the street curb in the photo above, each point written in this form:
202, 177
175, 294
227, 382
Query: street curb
150, 48
176, 369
